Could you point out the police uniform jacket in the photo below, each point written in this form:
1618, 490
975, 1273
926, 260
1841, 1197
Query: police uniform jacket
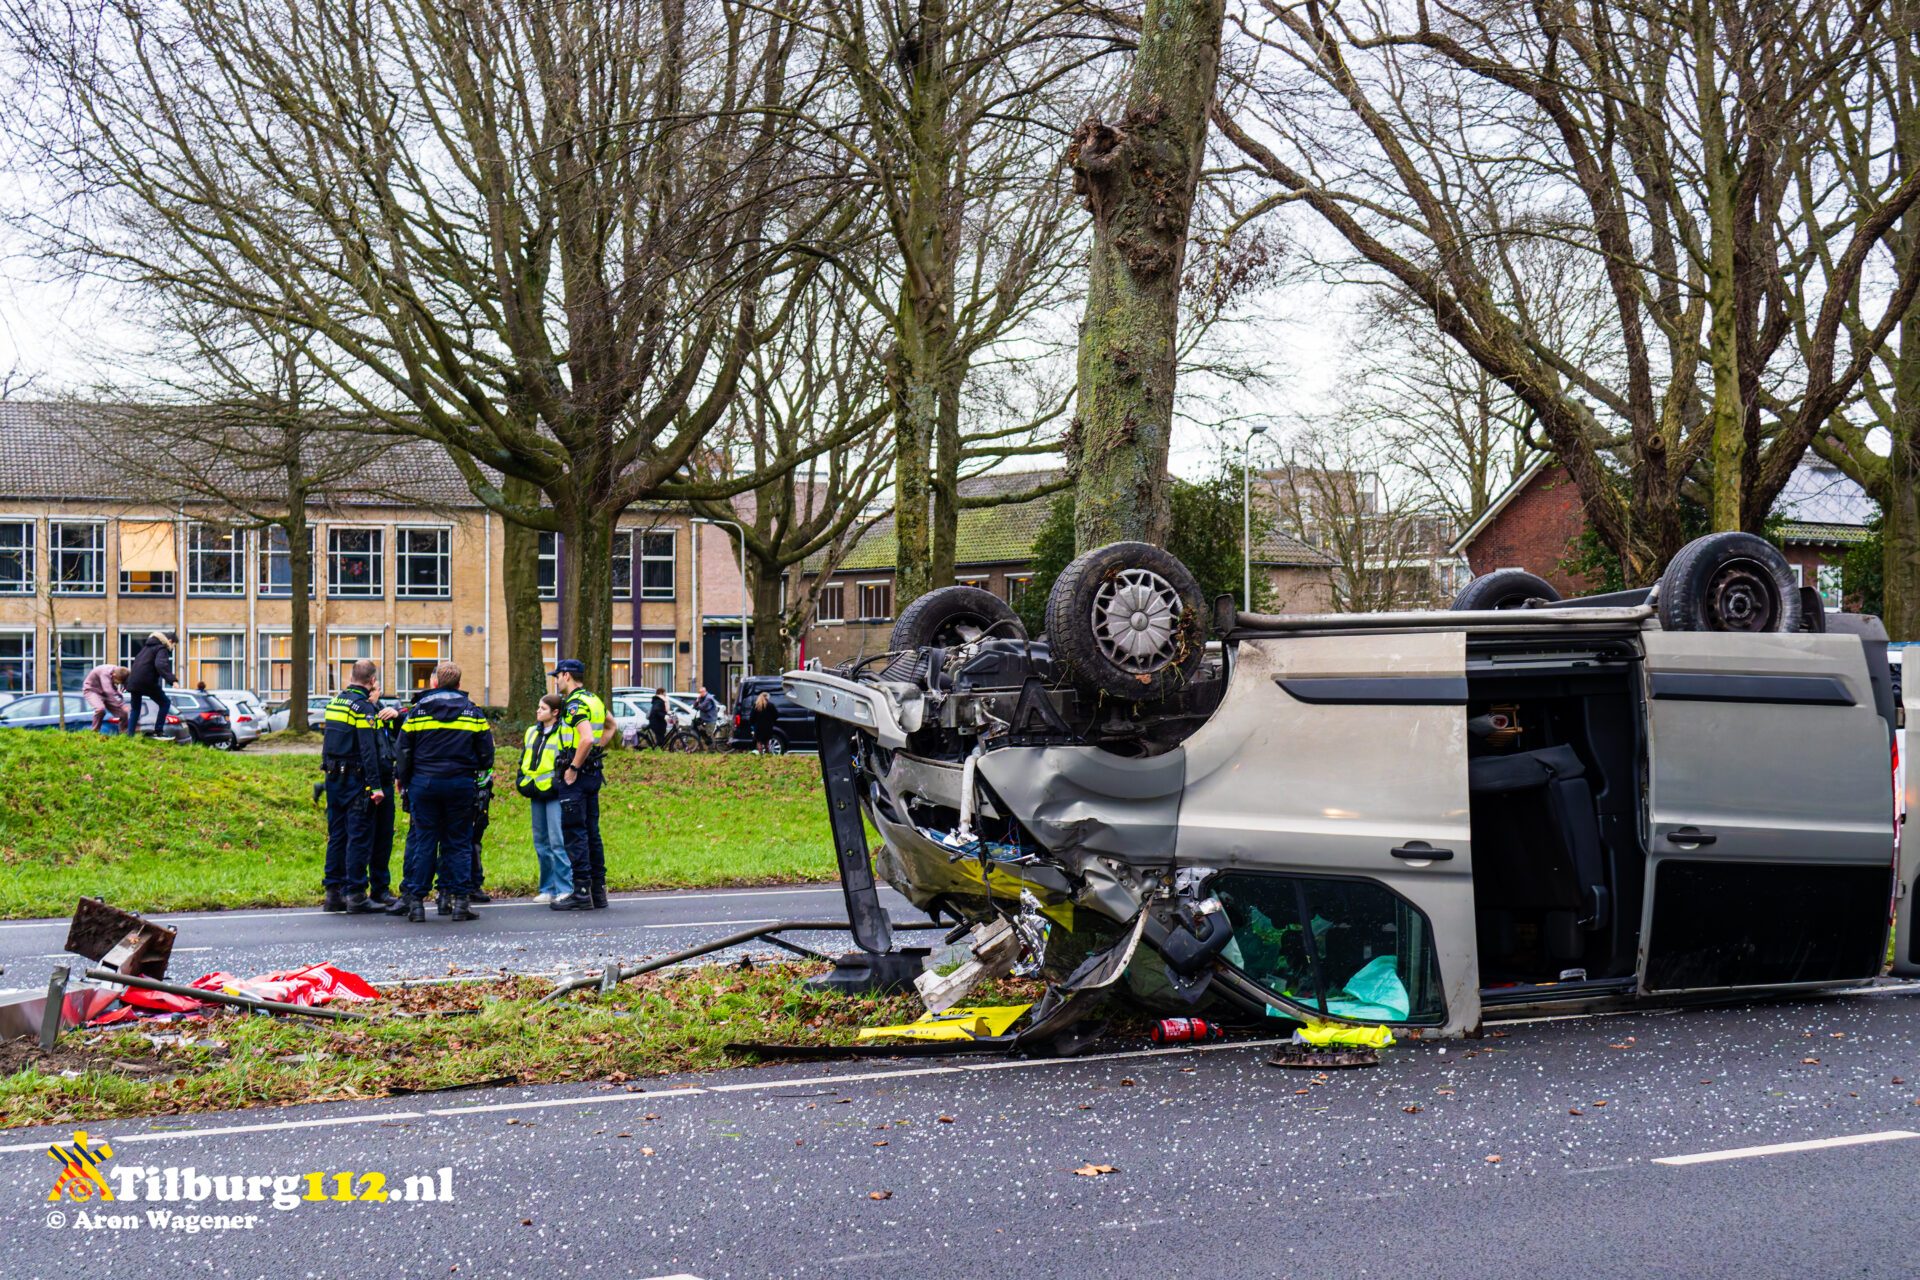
348, 738
443, 736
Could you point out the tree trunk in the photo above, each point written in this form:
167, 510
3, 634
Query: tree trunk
1729, 420
946, 494
1138, 177
1900, 544
586, 593
299, 609
520, 583
770, 639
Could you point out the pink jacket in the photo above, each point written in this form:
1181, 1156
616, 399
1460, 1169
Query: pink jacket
101, 693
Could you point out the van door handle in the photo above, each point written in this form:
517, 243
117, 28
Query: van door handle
1421, 851
1691, 837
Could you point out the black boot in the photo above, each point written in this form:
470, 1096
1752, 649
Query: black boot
336, 901
382, 899
442, 905
600, 895
461, 908
400, 906
480, 897
416, 911
580, 900
358, 905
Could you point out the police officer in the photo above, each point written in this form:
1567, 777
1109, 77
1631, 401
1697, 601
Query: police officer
445, 745
579, 788
386, 736
355, 786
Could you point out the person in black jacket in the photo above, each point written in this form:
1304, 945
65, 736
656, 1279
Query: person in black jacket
147, 679
358, 784
445, 745
657, 718
386, 737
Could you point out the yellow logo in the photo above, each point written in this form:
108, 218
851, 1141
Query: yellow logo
80, 1163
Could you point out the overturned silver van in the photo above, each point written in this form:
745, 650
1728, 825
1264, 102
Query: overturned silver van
1422, 819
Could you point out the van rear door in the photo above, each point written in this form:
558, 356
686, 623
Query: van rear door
1906, 906
1769, 818
1329, 793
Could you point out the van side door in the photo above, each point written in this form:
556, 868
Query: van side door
1906, 905
1769, 812
1329, 795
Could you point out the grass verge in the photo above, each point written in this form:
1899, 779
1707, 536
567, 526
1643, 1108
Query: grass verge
153, 827
651, 1026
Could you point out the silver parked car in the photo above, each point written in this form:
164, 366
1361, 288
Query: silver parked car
245, 712
1421, 819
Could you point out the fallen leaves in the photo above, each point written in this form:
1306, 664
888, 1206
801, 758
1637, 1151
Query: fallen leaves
1095, 1170
1575, 1111
881, 1143
1412, 1108
1493, 1159
945, 1120
1809, 1062
879, 1195
646, 1151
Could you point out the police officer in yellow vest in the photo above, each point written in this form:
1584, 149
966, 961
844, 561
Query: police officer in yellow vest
350, 756
580, 783
543, 755
445, 747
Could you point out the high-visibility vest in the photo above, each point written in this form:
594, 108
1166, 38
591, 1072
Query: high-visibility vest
584, 708
539, 756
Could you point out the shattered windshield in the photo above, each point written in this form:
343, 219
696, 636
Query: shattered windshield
1350, 948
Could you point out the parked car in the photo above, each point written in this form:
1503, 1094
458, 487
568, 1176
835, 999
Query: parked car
205, 717
245, 713
793, 731
280, 714
1673, 794
627, 708
42, 711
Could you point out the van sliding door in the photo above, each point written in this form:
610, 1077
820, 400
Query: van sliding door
1769, 820
1906, 936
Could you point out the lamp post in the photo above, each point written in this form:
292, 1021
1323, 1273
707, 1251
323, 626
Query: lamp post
746, 654
1246, 513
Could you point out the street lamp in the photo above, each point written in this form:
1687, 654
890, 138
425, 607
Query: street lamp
1246, 513
746, 654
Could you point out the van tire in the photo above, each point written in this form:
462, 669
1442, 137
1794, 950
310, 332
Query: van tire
936, 618
1505, 589
1729, 582
1166, 641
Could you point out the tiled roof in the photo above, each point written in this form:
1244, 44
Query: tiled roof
1278, 548
1820, 493
984, 535
1839, 534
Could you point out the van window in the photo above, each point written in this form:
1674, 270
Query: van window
1352, 948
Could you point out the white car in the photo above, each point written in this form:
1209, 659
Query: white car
246, 713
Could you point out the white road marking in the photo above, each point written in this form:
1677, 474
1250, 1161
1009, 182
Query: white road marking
162, 1135
563, 1102
668, 895
1785, 1148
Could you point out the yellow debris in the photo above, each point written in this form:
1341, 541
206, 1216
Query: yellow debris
963, 1023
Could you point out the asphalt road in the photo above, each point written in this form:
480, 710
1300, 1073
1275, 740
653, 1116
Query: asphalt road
518, 937
1221, 1166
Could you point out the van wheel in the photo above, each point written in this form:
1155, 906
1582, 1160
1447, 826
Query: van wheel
1128, 620
777, 744
948, 616
1505, 589
1729, 582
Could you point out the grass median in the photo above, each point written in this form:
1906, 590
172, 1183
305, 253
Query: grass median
439, 1038
154, 827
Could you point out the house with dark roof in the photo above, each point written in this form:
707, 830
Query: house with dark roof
1535, 521
406, 572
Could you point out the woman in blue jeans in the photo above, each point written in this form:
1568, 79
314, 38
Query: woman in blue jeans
547, 743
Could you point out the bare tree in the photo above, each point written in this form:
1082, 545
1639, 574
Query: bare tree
1662, 142
952, 119
536, 234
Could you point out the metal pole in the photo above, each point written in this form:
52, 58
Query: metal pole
1246, 515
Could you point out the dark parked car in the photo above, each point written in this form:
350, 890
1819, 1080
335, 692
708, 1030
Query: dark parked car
43, 711
794, 730
203, 716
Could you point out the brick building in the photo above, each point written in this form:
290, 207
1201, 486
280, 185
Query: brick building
1535, 521
92, 559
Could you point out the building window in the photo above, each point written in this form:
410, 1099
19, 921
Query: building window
1827, 583
16, 661
354, 562
656, 566
79, 560
1017, 584
344, 648
146, 583
77, 653
876, 601
276, 567
131, 642
419, 655
547, 568
217, 659
214, 557
979, 580
422, 563
656, 664
833, 604
622, 665
622, 564
275, 664
16, 558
